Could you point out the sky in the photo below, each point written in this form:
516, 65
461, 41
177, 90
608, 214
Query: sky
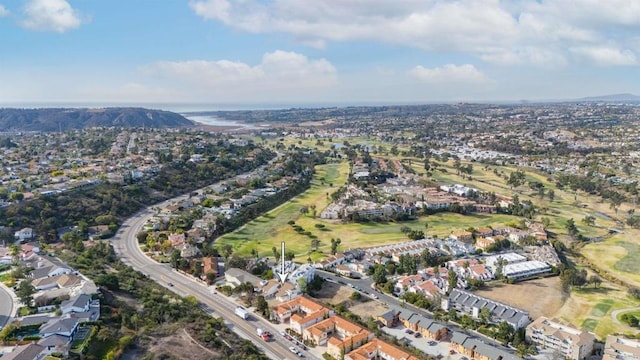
316, 51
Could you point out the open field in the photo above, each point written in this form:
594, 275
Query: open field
547, 292
332, 293
591, 308
272, 228
367, 307
618, 255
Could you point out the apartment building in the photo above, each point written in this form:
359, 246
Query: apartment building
338, 334
471, 304
568, 341
619, 348
302, 312
378, 349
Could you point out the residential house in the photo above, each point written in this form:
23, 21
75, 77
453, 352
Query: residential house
187, 250
48, 267
236, 277
77, 304
343, 270
551, 334
57, 281
24, 234
56, 343
378, 349
27, 352
464, 236
59, 326
177, 239
471, 304
210, 266
619, 348
268, 289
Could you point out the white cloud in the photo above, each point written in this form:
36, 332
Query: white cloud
537, 32
449, 73
51, 15
3, 11
607, 56
279, 73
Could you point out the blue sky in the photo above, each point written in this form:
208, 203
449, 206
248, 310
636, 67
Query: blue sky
316, 51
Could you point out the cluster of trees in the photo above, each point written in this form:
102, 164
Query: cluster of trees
156, 306
47, 213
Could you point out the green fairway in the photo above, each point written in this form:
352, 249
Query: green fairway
589, 324
272, 228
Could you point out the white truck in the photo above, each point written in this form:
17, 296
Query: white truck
240, 311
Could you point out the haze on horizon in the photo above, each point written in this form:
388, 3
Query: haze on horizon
316, 52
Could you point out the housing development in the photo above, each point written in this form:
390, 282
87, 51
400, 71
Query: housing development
463, 231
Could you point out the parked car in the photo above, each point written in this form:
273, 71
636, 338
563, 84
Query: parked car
409, 331
293, 350
417, 335
432, 343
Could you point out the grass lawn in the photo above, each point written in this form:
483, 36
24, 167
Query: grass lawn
591, 307
270, 229
619, 255
634, 313
589, 324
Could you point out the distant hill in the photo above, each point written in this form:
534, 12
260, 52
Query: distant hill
64, 119
611, 98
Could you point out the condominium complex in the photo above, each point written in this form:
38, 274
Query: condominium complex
568, 341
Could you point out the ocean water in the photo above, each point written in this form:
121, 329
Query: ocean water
214, 121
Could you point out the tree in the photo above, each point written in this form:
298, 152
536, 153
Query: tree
453, 280
355, 295
25, 292
505, 332
262, 306
380, 274
334, 245
175, 258
570, 225
589, 220
485, 315
595, 280
303, 285
276, 253
226, 251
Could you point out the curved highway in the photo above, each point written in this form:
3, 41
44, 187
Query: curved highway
126, 246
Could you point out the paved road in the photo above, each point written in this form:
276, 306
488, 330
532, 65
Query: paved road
364, 286
6, 305
126, 246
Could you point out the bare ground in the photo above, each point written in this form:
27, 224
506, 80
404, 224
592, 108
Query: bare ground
540, 297
333, 293
176, 346
368, 308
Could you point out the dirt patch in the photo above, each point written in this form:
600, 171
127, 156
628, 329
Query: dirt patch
540, 297
368, 308
180, 346
334, 294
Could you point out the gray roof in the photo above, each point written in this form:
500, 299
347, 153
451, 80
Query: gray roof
481, 347
54, 340
500, 312
243, 276
34, 320
389, 315
77, 301
405, 314
458, 337
25, 352
58, 325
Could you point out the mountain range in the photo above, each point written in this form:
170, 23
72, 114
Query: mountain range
61, 119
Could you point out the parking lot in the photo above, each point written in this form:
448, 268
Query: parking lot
439, 349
